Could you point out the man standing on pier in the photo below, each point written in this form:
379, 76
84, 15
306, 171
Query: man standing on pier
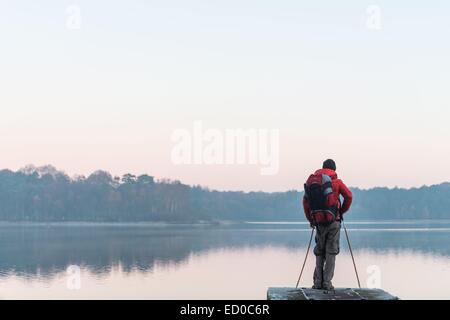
324, 211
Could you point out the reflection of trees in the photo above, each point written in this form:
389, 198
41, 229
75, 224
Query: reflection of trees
32, 250
382, 241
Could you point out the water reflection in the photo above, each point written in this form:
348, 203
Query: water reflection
123, 254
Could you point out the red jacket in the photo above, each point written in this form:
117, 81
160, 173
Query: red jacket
339, 189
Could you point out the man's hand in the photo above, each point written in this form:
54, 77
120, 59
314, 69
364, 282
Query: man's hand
312, 225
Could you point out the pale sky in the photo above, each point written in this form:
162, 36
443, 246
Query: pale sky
110, 94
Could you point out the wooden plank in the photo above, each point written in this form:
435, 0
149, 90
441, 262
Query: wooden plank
336, 294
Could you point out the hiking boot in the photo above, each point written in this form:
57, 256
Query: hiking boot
317, 287
328, 287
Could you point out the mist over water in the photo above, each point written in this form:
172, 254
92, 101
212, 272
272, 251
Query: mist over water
236, 261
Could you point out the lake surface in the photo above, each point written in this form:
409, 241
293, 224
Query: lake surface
236, 261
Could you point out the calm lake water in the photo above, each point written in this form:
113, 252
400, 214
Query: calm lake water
408, 259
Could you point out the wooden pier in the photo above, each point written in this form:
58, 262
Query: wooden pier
336, 294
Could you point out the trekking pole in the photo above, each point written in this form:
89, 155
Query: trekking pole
351, 252
306, 257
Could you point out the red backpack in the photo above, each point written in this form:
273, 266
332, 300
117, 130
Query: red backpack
323, 202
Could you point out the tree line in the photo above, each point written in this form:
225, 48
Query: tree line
47, 195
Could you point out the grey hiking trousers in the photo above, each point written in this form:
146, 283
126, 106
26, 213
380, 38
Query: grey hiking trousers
326, 249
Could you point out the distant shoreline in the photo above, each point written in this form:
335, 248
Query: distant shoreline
46, 195
114, 224
200, 223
